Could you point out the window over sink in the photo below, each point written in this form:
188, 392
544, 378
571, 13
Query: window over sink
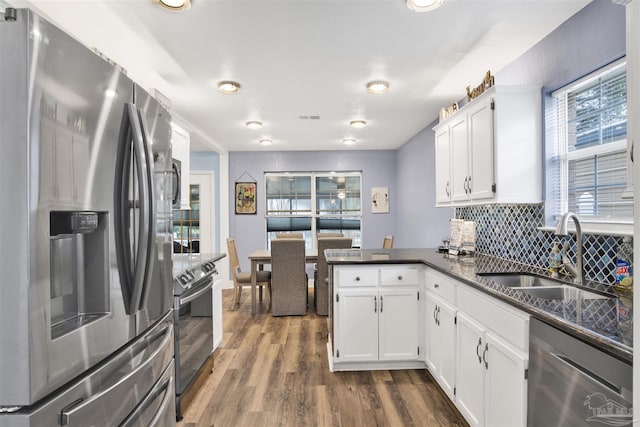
586, 144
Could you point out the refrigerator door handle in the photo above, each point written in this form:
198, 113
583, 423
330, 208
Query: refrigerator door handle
163, 387
149, 200
131, 151
176, 191
74, 410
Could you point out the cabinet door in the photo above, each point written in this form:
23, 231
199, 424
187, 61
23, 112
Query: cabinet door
398, 323
446, 316
432, 339
459, 159
505, 384
356, 331
443, 166
480, 122
470, 371
441, 342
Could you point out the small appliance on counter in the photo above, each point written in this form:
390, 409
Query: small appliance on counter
197, 316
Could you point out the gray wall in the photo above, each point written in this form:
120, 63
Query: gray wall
419, 223
378, 170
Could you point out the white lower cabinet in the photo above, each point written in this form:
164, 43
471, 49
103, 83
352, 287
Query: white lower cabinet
356, 319
491, 379
376, 324
376, 318
440, 352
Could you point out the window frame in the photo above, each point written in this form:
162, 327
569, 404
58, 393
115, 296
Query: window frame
558, 157
314, 213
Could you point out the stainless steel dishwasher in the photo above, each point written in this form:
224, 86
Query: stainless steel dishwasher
572, 383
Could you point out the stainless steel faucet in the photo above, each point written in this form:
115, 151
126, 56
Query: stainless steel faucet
562, 230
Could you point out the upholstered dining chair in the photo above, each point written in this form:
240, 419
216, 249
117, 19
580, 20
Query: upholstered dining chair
289, 236
387, 243
240, 279
321, 284
288, 278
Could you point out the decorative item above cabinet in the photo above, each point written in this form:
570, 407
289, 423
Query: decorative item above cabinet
490, 150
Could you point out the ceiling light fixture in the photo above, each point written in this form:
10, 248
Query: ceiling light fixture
228, 86
348, 141
357, 124
424, 5
173, 5
266, 142
254, 124
377, 87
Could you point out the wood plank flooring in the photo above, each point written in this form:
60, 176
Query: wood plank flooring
273, 371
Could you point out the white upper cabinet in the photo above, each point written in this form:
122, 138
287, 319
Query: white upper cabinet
494, 150
180, 147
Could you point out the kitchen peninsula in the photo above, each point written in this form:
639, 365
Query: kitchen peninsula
417, 308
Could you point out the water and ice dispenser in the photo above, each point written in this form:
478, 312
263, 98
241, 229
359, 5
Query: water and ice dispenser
79, 243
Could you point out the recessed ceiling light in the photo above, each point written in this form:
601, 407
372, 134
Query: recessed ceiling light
357, 124
377, 87
266, 142
254, 124
424, 5
348, 141
228, 86
174, 5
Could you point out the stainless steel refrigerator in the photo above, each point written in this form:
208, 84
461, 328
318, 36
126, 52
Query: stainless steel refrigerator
86, 331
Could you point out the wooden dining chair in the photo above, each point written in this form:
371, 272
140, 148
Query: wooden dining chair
321, 283
240, 279
387, 243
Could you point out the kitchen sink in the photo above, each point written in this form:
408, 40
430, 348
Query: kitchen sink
542, 287
518, 280
562, 292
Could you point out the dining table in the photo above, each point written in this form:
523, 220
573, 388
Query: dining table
263, 256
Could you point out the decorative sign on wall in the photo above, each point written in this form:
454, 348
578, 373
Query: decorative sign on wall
487, 82
380, 200
245, 196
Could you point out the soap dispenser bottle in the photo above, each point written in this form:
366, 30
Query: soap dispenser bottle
555, 259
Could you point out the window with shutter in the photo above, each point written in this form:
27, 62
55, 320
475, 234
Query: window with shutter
314, 202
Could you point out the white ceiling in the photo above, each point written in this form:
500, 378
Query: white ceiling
307, 57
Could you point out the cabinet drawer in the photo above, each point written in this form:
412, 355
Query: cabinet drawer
359, 277
441, 285
507, 322
398, 276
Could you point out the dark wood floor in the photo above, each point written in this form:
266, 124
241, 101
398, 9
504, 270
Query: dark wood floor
273, 371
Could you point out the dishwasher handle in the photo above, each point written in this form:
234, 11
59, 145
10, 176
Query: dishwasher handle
587, 372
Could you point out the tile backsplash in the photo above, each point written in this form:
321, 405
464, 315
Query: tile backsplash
511, 232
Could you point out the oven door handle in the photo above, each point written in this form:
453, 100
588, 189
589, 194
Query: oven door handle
198, 293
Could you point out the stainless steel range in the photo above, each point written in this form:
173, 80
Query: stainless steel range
195, 275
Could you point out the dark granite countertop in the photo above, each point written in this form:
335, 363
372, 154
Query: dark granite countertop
594, 321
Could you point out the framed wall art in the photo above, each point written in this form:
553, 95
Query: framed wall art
245, 197
380, 200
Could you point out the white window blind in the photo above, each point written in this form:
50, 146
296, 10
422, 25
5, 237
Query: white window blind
586, 160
